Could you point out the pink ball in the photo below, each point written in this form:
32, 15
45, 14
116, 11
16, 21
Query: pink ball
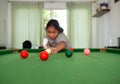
86, 51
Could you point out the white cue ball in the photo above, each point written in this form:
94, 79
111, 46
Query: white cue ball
48, 51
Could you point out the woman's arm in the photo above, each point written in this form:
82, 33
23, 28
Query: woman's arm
48, 45
61, 45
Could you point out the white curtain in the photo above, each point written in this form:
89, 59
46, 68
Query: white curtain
79, 24
26, 23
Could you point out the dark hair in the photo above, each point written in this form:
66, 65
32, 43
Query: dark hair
55, 24
27, 44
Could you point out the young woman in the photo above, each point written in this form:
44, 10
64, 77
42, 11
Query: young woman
57, 40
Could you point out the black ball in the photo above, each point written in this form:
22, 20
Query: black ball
68, 53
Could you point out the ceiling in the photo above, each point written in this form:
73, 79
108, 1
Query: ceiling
57, 0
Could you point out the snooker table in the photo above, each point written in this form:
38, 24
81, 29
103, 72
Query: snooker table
102, 66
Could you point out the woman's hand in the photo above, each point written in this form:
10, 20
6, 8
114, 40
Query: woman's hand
54, 50
58, 47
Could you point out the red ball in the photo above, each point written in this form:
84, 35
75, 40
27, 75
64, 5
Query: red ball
43, 55
24, 54
87, 51
71, 49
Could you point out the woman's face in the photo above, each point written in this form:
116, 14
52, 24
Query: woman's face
52, 32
